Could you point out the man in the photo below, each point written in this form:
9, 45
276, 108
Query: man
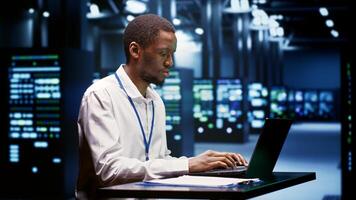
121, 122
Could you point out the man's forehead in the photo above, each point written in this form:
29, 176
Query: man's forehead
167, 34
165, 40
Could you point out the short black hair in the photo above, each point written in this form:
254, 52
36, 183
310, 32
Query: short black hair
144, 30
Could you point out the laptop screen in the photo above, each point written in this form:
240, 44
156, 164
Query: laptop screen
268, 147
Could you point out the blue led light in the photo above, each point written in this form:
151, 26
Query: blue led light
177, 137
34, 170
56, 160
40, 144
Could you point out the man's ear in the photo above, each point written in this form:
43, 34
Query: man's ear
135, 50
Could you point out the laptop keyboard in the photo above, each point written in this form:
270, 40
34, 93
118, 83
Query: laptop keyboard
235, 169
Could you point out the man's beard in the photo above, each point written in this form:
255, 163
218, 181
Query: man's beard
151, 79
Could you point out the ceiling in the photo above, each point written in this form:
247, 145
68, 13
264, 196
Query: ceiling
306, 26
302, 22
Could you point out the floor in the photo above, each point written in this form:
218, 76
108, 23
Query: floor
309, 147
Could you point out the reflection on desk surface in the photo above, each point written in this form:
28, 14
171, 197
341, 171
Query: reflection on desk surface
280, 180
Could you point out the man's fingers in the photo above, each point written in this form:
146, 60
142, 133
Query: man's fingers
235, 158
231, 159
230, 156
223, 159
239, 159
217, 154
243, 160
218, 164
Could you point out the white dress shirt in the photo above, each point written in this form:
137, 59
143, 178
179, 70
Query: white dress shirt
112, 149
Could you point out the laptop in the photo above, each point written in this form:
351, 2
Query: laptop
265, 154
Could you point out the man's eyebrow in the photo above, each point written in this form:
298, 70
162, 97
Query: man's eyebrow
163, 48
166, 49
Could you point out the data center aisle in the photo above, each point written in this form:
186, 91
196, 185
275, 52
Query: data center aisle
309, 147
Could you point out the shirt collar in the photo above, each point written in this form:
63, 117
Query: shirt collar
131, 88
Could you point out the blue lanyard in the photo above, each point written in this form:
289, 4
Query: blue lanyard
147, 144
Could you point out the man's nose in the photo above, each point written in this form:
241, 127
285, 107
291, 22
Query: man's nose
169, 61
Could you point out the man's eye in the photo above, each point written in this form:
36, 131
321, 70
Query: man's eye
164, 55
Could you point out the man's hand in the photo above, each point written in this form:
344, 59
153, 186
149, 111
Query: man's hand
213, 159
